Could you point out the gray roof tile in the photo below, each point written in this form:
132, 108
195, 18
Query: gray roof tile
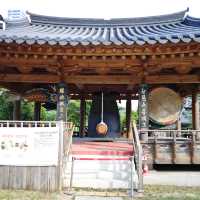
54, 30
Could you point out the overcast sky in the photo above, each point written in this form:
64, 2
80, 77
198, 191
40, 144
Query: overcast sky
101, 8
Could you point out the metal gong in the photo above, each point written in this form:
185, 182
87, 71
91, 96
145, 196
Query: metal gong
164, 105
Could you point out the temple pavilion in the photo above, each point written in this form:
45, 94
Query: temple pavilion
124, 58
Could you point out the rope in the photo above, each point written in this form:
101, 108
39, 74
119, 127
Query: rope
126, 158
102, 107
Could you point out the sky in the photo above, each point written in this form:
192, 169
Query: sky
102, 9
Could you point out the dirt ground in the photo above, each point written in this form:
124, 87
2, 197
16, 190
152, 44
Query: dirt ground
150, 193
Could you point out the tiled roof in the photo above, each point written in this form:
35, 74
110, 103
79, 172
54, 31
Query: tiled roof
41, 29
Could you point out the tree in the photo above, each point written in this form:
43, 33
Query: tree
134, 117
27, 109
6, 107
73, 111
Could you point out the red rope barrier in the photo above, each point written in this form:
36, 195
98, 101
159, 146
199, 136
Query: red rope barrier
75, 158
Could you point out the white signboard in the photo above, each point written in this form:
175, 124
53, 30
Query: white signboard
31, 146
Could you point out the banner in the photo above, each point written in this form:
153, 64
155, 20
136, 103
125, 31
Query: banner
29, 146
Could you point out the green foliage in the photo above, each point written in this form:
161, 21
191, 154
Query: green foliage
5, 106
48, 115
134, 117
73, 112
27, 109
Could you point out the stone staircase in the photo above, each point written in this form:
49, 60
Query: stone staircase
102, 165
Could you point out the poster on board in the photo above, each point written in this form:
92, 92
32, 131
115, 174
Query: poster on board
31, 146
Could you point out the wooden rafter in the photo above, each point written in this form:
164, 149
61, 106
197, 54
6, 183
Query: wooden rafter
125, 65
29, 78
167, 79
99, 79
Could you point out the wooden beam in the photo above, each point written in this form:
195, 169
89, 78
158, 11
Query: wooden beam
24, 69
128, 117
90, 97
27, 62
102, 79
100, 49
29, 78
80, 87
130, 87
99, 79
195, 110
178, 126
37, 111
130, 79
82, 116
17, 110
159, 79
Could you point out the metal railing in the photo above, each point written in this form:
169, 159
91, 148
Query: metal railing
173, 134
138, 157
130, 159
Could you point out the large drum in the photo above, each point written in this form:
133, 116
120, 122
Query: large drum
164, 106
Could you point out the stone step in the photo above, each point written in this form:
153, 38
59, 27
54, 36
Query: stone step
103, 174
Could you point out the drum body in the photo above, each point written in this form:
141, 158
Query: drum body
164, 106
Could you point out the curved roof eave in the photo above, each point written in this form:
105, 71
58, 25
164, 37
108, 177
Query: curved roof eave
42, 19
174, 28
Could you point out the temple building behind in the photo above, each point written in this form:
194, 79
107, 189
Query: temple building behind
155, 60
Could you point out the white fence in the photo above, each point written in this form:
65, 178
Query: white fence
31, 155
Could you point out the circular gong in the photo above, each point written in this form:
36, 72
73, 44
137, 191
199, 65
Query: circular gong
102, 128
164, 105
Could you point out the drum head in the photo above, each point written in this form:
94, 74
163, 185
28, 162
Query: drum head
164, 106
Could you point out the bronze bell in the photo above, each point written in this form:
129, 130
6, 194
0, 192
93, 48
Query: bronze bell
111, 119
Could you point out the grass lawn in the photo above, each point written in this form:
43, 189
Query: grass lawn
28, 195
171, 193
151, 193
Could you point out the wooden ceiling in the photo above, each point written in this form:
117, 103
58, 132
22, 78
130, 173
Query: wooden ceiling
93, 68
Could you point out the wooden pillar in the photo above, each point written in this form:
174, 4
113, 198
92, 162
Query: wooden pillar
82, 116
143, 111
178, 126
37, 111
195, 124
62, 100
195, 110
128, 117
17, 110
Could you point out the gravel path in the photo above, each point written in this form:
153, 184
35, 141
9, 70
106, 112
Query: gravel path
183, 178
97, 198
